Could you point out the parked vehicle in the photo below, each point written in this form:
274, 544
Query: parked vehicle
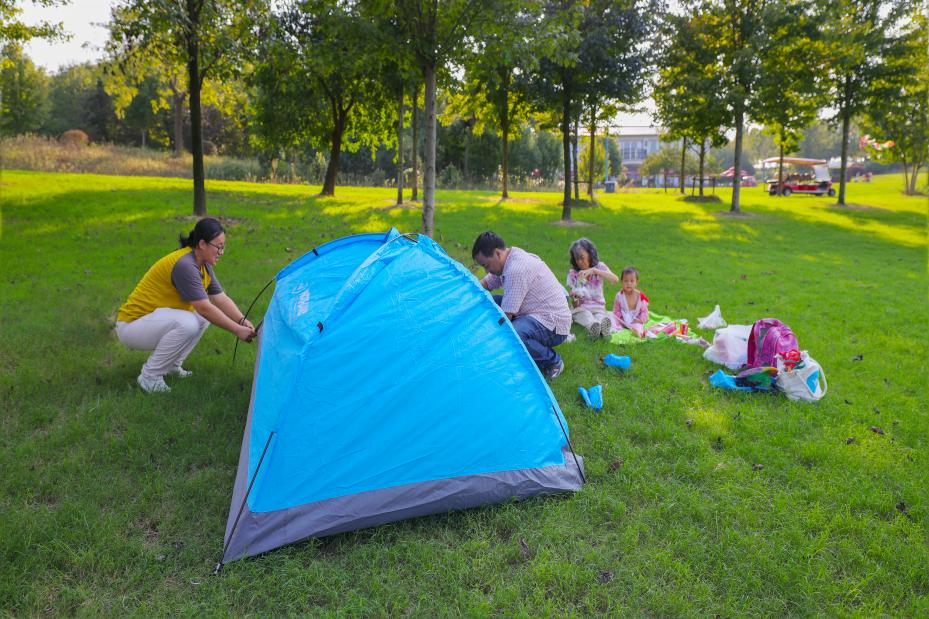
801, 175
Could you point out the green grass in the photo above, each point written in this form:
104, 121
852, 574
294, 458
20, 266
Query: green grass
113, 502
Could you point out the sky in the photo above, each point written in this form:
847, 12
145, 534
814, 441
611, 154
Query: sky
84, 19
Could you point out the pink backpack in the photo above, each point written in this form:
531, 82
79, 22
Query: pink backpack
769, 337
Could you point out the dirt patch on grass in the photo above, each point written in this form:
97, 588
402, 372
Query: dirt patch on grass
734, 215
512, 200
404, 207
858, 207
571, 223
700, 199
225, 221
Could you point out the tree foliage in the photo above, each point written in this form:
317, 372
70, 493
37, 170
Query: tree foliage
861, 33
23, 106
688, 92
599, 59
792, 85
318, 82
898, 108
204, 36
13, 30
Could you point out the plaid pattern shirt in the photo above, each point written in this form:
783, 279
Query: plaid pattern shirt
531, 289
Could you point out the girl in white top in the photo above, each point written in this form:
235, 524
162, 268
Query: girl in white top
585, 288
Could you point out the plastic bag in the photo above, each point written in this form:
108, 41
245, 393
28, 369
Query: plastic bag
730, 346
714, 321
805, 380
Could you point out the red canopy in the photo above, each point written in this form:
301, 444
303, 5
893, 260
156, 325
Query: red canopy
730, 172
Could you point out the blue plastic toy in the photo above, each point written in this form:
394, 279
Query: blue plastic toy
618, 361
592, 397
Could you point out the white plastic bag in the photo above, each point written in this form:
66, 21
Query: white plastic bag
714, 321
730, 346
805, 382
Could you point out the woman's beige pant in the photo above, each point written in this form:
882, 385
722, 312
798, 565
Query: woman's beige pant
169, 333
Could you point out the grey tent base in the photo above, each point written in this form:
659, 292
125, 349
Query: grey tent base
259, 532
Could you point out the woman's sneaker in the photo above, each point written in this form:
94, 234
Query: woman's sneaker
594, 330
181, 372
606, 327
555, 370
153, 385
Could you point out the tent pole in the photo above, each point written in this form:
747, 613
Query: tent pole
235, 349
235, 524
570, 446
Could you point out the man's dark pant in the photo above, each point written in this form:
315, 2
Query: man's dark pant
537, 338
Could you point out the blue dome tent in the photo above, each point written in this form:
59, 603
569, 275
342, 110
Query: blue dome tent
388, 385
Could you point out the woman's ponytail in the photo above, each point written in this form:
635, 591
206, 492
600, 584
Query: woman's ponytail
206, 229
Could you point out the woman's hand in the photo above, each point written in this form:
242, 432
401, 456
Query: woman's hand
588, 273
245, 332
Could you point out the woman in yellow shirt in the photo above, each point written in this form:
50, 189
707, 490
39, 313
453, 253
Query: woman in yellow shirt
175, 302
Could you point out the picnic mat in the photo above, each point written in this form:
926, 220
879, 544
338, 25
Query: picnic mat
658, 327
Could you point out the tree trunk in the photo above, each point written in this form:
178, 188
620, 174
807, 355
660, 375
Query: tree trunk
684, 162
846, 121
400, 147
737, 165
178, 109
780, 173
429, 70
414, 150
574, 156
566, 151
196, 137
590, 162
913, 177
702, 162
335, 151
505, 130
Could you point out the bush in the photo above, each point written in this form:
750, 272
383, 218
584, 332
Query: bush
227, 169
450, 177
377, 178
74, 137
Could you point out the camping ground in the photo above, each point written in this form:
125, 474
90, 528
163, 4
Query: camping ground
698, 501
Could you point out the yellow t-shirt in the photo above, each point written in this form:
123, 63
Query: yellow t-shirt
169, 284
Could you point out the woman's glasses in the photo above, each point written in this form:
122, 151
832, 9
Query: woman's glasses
220, 248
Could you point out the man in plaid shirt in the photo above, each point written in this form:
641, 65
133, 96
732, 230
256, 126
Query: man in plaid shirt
532, 299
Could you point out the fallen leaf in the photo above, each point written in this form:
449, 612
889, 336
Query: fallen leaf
877, 411
877, 430
850, 440
604, 577
757, 467
524, 550
858, 357
743, 277
614, 465
689, 422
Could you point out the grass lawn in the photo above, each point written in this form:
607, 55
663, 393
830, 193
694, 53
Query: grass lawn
114, 502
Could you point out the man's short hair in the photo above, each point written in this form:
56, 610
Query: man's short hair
486, 243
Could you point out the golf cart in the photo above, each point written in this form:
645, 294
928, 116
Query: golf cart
801, 175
